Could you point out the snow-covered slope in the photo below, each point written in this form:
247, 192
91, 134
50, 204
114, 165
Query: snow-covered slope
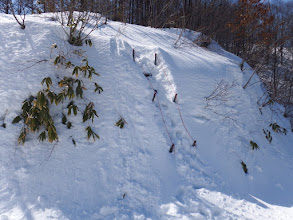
129, 173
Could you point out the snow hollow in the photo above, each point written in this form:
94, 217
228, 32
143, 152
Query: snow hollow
129, 173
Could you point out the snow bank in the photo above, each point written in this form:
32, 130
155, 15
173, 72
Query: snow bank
129, 173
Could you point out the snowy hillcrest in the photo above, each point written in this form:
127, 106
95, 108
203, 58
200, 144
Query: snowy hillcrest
129, 173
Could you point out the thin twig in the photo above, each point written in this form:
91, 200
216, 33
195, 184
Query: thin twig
36, 63
50, 154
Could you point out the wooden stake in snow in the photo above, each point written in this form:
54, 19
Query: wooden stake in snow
147, 74
244, 167
155, 93
156, 59
3, 119
133, 55
175, 98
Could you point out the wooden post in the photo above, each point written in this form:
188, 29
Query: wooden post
175, 98
155, 59
171, 148
155, 93
133, 55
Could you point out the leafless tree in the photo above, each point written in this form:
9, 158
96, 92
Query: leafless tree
4, 6
19, 10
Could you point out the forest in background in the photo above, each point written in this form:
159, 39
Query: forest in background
259, 31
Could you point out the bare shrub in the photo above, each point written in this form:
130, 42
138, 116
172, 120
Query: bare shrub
20, 13
78, 25
203, 40
220, 97
222, 91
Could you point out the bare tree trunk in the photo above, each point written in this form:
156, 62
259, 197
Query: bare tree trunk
21, 18
6, 6
275, 89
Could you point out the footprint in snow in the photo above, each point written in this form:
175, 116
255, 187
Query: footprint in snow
200, 119
179, 134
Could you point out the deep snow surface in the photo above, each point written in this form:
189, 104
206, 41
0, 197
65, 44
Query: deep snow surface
128, 173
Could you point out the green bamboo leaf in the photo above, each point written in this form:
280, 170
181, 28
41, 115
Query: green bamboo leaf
69, 110
79, 90
42, 136
89, 132
88, 42
48, 82
41, 99
64, 119
98, 88
70, 104
244, 167
121, 122
254, 145
75, 71
52, 134
60, 98
69, 125
26, 107
16, 119
68, 64
22, 136
75, 108
97, 136
94, 111
51, 96
43, 81
70, 92
57, 60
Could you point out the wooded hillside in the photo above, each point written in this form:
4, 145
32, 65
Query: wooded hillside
259, 31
